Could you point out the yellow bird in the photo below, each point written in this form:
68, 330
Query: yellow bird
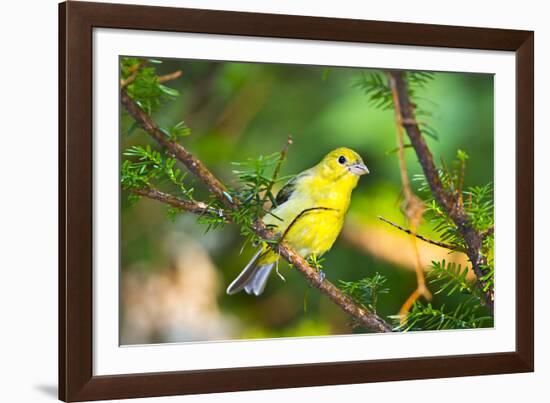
309, 214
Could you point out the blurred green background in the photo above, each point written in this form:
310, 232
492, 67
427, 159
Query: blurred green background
174, 274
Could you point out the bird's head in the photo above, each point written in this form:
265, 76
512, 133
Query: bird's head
343, 163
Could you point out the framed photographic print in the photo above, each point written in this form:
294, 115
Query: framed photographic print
252, 201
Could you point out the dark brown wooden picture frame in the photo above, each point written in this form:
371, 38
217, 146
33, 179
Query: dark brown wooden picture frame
77, 20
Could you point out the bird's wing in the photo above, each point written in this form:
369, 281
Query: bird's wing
287, 190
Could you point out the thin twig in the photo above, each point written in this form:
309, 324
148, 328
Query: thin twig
192, 206
282, 157
134, 72
125, 82
169, 77
363, 316
448, 201
408, 231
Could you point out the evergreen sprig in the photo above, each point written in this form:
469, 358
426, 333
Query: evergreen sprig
444, 225
316, 262
450, 278
479, 205
177, 131
466, 315
377, 90
145, 88
366, 290
255, 177
253, 190
150, 168
147, 167
477, 201
379, 95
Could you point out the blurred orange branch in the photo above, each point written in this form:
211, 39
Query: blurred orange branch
377, 241
414, 210
451, 202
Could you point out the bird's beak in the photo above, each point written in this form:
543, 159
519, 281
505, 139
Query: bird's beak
358, 169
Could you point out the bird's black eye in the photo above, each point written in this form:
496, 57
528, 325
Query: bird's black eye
342, 159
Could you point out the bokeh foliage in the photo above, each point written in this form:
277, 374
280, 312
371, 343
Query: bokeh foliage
239, 111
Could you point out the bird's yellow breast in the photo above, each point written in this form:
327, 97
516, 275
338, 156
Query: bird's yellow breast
313, 217
315, 232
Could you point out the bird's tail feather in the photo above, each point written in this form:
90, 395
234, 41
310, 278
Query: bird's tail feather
253, 278
257, 284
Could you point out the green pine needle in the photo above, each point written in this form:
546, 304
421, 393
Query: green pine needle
366, 290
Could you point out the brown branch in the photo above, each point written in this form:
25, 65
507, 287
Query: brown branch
189, 160
408, 231
192, 206
134, 70
363, 316
489, 232
125, 82
169, 77
448, 201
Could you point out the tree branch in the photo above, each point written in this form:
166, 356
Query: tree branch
282, 157
363, 316
489, 232
169, 76
448, 201
134, 70
408, 231
195, 207
189, 160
